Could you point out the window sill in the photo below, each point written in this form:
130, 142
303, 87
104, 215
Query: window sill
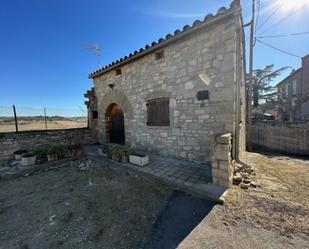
157, 127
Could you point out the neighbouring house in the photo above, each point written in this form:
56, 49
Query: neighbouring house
173, 96
293, 94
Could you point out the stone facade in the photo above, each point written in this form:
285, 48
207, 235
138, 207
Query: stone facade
207, 56
10, 142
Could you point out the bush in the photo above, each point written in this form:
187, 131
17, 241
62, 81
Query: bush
41, 152
120, 150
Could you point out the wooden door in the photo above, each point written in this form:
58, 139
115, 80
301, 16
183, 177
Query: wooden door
117, 125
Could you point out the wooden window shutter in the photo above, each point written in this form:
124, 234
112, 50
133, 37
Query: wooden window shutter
158, 112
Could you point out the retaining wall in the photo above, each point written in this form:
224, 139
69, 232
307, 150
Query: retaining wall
10, 142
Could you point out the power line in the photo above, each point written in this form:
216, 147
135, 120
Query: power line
280, 21
286, 35
278, 49
270, 16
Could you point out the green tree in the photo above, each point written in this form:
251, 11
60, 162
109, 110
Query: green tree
261, 88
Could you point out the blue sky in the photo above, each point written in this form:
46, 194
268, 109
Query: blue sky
42, 63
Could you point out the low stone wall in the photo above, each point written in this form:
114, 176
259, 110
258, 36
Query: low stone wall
221, 160
282, 137
10, 142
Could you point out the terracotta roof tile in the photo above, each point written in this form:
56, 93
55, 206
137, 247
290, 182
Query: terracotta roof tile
186, 28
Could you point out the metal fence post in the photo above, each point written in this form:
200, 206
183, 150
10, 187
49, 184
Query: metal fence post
45, 118
15, 117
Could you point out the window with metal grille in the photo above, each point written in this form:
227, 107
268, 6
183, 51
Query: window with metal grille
158, 113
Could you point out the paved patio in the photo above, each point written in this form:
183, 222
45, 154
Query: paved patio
190, 177
178, 171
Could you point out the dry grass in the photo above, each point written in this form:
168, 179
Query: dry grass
281, 200
40, 125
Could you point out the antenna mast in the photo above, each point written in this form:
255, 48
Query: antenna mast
96, 49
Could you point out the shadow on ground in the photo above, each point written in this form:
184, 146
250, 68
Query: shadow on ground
180, 216
276, 154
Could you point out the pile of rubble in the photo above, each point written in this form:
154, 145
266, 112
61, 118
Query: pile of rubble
242, 176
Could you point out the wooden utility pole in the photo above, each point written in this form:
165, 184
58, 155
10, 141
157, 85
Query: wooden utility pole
249, 111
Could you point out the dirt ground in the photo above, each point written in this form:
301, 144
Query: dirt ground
58, 208
113, 208
273, 215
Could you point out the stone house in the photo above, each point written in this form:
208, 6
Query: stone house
293, 94
173, 96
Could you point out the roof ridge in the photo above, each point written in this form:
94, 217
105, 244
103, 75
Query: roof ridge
220, 12
294, 71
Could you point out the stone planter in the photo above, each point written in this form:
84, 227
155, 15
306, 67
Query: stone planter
18, 154
28, 160
17, 157
140, 160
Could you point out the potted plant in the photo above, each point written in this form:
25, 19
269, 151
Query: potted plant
79, 150
139, 159
126, 152
28, 159
41, 154
52, 153
116, 153
18, 154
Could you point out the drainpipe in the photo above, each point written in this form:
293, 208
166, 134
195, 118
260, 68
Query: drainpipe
239, 75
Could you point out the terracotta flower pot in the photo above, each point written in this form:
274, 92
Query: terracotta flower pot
80, 152
124, 159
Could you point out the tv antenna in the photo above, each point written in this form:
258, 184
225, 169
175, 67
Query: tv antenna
96, 49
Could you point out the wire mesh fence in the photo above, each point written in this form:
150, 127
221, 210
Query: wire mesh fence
17, 118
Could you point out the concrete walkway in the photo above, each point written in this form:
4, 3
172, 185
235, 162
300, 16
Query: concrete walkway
190, 177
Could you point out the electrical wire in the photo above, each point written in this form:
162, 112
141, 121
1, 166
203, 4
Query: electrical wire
278, 49
280, 21
268, 18
258, 14
286, 35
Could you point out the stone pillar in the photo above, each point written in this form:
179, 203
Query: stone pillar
221, 161
92, 109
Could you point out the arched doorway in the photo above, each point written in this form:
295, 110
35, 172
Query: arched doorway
115, 124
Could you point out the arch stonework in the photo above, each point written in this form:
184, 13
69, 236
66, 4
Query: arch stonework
157, 94
119, 98
116, 97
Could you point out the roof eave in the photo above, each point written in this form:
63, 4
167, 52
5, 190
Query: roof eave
165, 42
